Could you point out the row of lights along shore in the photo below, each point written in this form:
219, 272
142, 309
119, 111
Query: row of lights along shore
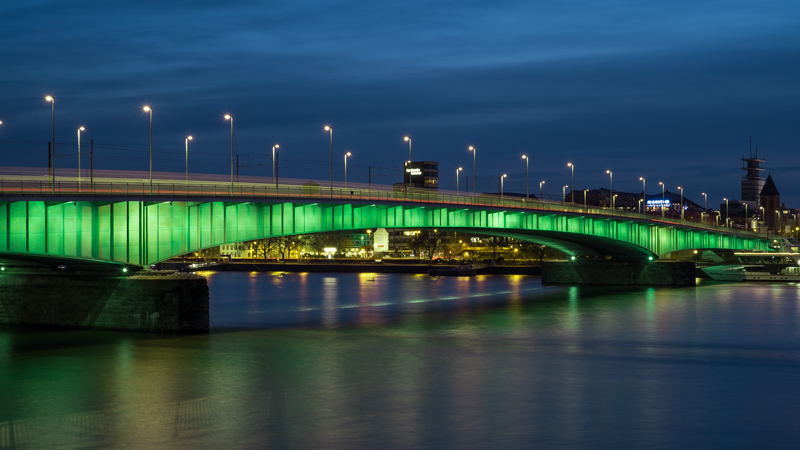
329, 129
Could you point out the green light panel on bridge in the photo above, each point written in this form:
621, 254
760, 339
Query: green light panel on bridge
145, 232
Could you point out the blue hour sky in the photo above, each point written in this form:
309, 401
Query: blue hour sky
670, 91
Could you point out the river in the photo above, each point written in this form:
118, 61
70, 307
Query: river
364, 361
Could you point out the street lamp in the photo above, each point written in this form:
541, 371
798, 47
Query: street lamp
611, 187
572, 166
501, 186
705, 203
681, 205
644, 202
584, 197
79, 155
527, 178
330, 130
148, 109
613, 200
345, 168
474, 170
230, 117
188, 138
540, 190
639, 206
457, 185
663, 198
408, 139
274, 180
51, 160
727, 216
564, 193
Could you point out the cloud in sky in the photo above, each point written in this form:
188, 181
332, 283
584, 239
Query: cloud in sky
666, 90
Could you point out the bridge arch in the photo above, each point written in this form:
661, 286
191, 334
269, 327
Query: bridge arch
143, 233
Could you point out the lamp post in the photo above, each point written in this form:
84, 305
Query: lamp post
527, 178
564, 193
501, 186
681, 206
705, 202
148, 109
457, 185
611, 186
274, 180
540, 190
188, 138
345, 168
474, 170
230, 117
644, 202
746, 219
79, 155
639, 206
763, 219
613, 200
663, 198
51, 160
584, 197
408, 139
572, 190
330, 130
727, 215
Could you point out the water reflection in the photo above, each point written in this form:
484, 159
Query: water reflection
457, 363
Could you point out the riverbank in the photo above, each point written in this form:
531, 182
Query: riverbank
339, 267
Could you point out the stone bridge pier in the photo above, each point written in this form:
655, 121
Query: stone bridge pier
621, 272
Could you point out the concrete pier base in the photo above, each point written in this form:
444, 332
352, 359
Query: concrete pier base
622, 273
151, 303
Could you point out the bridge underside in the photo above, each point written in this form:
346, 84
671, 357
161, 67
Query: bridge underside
143, 233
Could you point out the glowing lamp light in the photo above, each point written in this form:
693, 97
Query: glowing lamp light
406, 138
146, 108
572, 258
327, 128
227, 117
49, 98
189, 138
125, 269
82, 129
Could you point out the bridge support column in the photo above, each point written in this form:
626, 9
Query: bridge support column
619, 272
172, 303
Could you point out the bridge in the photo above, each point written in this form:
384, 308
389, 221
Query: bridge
136, 222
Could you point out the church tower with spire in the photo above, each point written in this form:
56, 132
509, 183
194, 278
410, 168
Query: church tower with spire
771, 202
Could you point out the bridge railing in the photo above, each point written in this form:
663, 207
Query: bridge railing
122, 189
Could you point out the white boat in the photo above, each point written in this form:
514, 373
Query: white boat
725, 273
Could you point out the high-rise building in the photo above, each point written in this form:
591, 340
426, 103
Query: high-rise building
752, 182
421, 174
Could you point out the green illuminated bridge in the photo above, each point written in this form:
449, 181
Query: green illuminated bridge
138, 223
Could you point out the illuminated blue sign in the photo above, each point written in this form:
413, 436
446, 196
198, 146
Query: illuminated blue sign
658, 203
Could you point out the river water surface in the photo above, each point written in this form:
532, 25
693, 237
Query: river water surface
364, 361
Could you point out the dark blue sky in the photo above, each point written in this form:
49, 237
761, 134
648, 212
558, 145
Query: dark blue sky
666, 90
